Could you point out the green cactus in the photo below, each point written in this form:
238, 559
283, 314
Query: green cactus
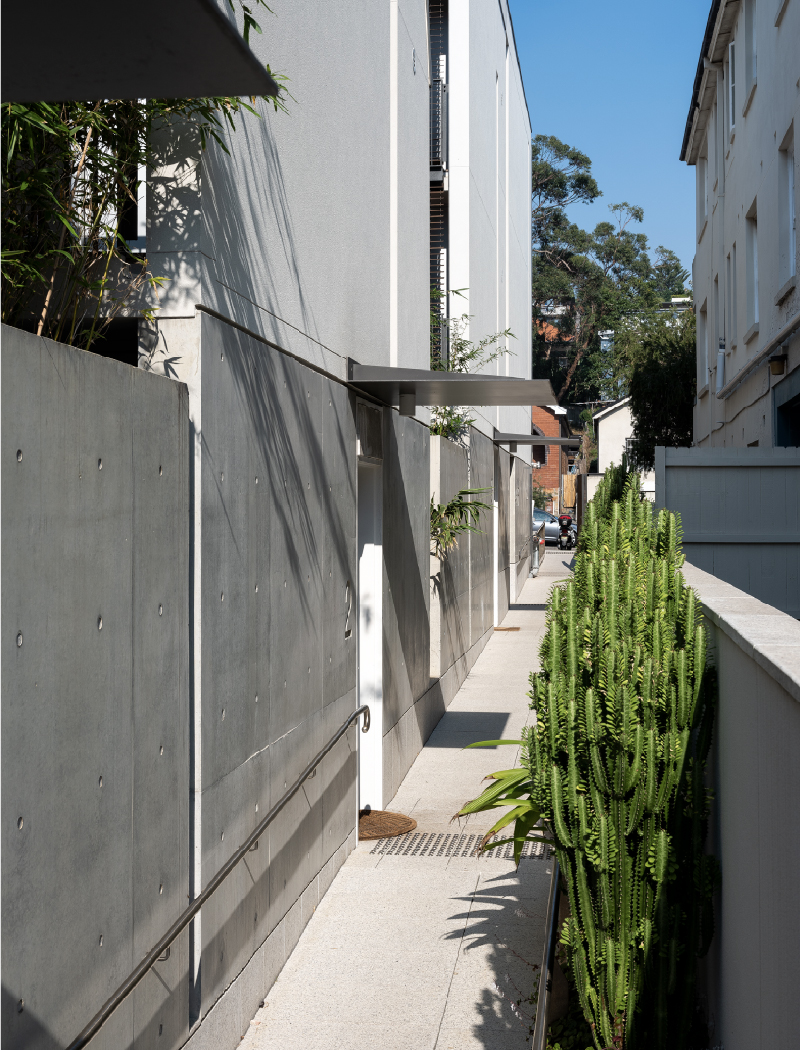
624, 713
615, 767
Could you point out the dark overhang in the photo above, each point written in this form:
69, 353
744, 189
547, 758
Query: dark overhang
535, 439
409, 387
698, 77
61, 50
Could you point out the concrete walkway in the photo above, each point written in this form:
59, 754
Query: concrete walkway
429, 952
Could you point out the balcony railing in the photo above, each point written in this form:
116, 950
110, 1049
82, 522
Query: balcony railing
438, 98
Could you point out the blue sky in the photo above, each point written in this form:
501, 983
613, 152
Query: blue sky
614, 80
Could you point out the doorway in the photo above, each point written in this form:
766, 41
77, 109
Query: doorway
370, 632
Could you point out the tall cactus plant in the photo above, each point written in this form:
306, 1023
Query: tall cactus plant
616, 764
624, 706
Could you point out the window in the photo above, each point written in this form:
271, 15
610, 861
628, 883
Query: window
752, 269
719, 328
702, 194
751, 49
787, 220
730, 298
702, 346
731, 89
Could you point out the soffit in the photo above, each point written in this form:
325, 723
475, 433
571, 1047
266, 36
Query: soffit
439, 389
534, 439
90, 49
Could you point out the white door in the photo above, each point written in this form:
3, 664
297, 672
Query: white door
370, 633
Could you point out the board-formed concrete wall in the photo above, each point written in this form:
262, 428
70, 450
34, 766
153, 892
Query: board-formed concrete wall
95, 695
520, 509
754, 966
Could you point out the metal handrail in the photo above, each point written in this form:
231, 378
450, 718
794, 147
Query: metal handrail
548, 962
180, 924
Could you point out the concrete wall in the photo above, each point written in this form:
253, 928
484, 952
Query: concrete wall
95, 695
754, 966
407, 721
740, 510
739, 177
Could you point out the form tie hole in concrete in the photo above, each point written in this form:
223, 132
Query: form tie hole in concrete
160, 1029
161, 750
20, 822
100, 782
99, 623
99, 464
284, 583
160, 471
223, 714
256, 479
222, 839
222, 476
256, 807
19, 639
222, 357
160, 610
222, 596
101, 940
161, 889
256, 697
19, 455
256, 588
284, 684
20, 1005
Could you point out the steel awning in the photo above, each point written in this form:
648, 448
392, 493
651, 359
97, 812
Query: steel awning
409, 387
534, 439
90, 49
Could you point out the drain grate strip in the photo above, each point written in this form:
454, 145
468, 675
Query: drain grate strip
440, 844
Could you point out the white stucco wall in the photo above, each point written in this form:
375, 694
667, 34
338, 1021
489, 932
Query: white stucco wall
743, 174
489, 190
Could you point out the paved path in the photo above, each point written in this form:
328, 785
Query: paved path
407, 952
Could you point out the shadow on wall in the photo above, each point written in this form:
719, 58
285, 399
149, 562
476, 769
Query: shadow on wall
460, 728
406, 558
247, 192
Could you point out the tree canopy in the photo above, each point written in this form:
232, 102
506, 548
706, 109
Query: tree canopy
587, 282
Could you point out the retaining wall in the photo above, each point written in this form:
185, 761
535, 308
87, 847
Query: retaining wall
754, 966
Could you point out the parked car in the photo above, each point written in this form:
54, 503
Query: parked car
550, 524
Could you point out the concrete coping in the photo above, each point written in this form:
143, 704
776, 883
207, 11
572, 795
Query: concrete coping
769, 637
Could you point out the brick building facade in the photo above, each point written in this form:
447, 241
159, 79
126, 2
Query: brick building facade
549, 462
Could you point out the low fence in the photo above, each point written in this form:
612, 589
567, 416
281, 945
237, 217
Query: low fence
740, 511
754, 964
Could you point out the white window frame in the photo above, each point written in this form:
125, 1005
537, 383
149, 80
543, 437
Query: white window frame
731, 89
787, 210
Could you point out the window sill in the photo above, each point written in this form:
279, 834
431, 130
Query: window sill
701, 393
702, 230
748, 101
784, 290
751, 333
780, 12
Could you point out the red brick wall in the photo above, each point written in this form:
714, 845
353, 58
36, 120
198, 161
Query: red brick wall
549, 473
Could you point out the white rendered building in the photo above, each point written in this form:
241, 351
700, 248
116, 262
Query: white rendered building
741, 134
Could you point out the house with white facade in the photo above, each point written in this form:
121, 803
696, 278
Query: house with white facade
740, 137
613, 428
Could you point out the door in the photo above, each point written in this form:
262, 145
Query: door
370, 632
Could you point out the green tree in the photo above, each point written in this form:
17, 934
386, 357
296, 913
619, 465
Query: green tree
662, 384
587, 282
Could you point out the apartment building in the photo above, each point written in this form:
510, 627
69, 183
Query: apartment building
291, 266
740, 136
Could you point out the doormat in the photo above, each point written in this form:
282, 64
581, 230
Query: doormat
440, 844
381, 824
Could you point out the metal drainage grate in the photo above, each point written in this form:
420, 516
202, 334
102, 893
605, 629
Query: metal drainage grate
439, 844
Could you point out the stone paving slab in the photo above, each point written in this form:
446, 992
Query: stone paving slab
428, 952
